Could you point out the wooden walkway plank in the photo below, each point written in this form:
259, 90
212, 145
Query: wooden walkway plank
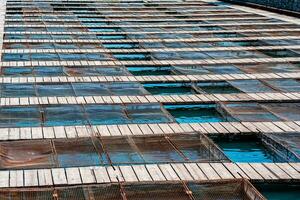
181, 171
263, 171
48, 132
195, 171
221, 170
277, 171
115, 174
155, 172
134, 128
16, 178
168, 172
4, 179
293, 125
283, 126
176, 128
103, 130
208, 128
145, 129
124, 130
87, 175
155, 129
45, 177
251, 173
296, 166
37, 133
219, 128
240, 127
101, 175
59, 176
71, 132
141, 173
4, 135
289, 170
229, 127
165, 128
59, 132
31, 178
114, 130
128, 173
14, 134
235, 170
208, 171
273, 127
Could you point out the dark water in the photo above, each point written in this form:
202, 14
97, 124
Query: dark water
279, 191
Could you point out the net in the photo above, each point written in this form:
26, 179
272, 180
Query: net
249, 86
238, 189
95, 151
86, 114
22, 154
285, 111
246, 112
286, 145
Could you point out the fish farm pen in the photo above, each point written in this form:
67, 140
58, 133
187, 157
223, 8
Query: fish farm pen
148, 100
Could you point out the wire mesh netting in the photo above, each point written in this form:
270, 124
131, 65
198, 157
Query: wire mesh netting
253, 111
71, 89
65, 71
27, 154
238, 189
107, 151
286, 145
89, 114
247, 112
249, 86
285, 111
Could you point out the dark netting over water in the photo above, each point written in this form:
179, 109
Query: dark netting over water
286, 145
239, 189
65, 71
250, 86
286, 111
285, 85
89, 114
106, 151
247, 112
71, 89
214, 69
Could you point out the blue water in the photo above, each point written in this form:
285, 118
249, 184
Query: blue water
194, 113
111, 37
132, 56
120, 45
247, 150
103, 29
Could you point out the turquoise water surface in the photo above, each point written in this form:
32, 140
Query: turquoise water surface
247, 150
194, 113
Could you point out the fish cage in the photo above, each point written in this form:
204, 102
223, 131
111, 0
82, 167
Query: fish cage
254, 112
79, 152
71, 89
65, 71
239, 189
84, 114
287, 145
252, 148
